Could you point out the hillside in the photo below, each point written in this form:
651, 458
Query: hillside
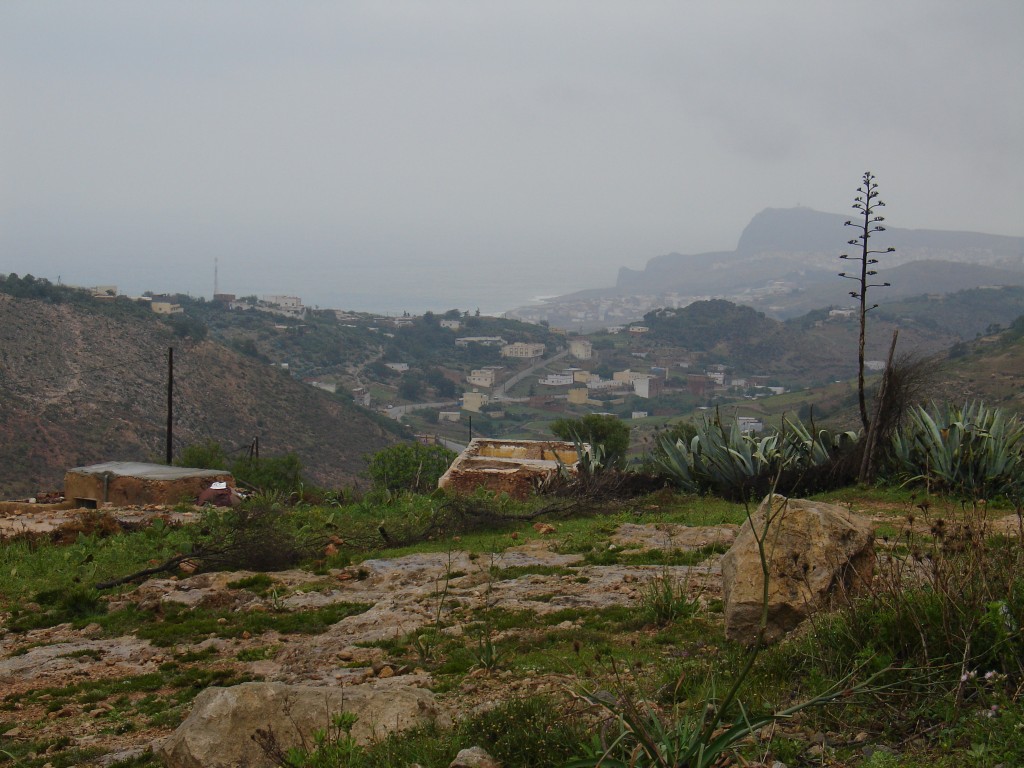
85, 381
801, 352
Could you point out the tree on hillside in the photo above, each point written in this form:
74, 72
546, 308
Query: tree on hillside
607, 431
867, 224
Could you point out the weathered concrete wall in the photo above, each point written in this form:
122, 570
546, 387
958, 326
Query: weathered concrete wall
514, 467
126, 483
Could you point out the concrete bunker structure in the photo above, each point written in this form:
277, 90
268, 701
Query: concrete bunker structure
515, 467
124, 483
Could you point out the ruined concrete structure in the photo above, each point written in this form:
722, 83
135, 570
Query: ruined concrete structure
123, 483
515, 467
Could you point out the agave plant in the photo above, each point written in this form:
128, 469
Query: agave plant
975, 450
731, 462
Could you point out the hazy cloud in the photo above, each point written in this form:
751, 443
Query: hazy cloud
452, 151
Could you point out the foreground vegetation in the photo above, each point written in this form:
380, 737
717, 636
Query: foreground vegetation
927, 667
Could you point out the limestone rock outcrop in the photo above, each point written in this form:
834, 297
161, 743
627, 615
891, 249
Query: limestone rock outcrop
815, 552
218, 733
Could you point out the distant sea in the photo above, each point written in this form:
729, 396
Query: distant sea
491, 300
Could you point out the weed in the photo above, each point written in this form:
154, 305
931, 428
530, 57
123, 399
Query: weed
665, 599
486, 654
259, 653
59, 606
518, 571
258, 583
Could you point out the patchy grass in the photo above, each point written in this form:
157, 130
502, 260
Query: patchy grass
665, 649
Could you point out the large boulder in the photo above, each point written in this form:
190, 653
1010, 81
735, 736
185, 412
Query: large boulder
219, 732
814, 551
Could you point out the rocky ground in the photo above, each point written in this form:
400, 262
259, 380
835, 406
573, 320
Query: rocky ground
404, 595
112, 697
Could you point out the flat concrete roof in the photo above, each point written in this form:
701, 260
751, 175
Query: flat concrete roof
145, 471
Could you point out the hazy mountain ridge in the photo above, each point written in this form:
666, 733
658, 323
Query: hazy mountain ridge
78, 387
778, 242
786, 262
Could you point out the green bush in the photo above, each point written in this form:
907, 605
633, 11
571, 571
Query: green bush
205, 455
608, 434
274, 474
409, 467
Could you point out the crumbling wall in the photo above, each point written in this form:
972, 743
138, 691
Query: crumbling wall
129, 484
515, 467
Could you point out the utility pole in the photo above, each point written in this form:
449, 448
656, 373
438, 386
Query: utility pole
170, 404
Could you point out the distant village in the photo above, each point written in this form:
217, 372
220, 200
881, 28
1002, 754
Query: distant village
485, 388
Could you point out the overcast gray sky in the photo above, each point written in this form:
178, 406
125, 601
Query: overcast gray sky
432, 154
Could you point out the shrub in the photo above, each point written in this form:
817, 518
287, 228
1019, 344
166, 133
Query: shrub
205, 455
272, 474
275, 474
409, 467
257, 536
609, 434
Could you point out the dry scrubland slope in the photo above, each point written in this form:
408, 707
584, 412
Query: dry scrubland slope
79, 386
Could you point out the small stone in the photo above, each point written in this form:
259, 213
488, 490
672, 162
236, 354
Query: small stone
474, 757
386, 671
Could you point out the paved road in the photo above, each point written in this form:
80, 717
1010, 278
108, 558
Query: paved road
396, 412
501, 389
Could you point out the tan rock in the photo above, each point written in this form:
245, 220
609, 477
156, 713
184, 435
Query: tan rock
218, 733
474, 757
816, 552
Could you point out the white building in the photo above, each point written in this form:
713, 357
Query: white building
484, 341
557, 380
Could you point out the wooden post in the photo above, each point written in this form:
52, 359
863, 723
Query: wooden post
871, 438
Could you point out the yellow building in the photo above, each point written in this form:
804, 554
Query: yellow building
474, 401
523, 349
